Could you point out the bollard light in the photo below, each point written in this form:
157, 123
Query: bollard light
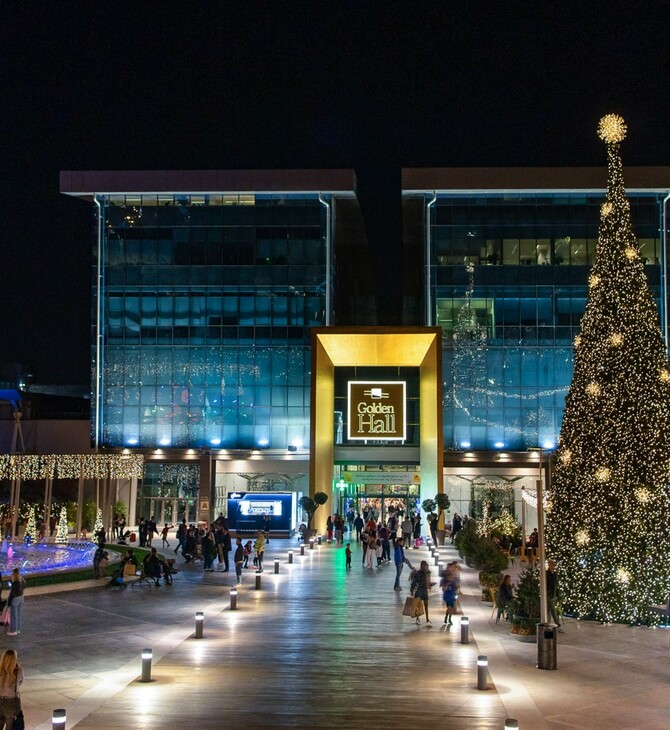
290, 557
302, 548
233, 599
318, 539
465, 630
147, 656
58, 718
482, 671
511, 724
437, 559
258, 580
276, 567
199, 622
311, 543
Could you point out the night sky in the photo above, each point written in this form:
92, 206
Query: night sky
375, 86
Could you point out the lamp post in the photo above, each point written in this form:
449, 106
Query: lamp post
544, 614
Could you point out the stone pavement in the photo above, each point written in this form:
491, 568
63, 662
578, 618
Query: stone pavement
319, 646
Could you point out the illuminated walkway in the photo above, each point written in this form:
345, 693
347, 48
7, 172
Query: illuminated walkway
320, 648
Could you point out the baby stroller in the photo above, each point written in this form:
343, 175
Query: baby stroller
123, 540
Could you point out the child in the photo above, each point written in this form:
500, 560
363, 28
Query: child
347, 553
164, 534
247, 553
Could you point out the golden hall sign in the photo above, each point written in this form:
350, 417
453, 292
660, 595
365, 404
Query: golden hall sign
376, 411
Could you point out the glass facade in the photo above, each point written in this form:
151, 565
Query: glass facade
508, 287
207, 303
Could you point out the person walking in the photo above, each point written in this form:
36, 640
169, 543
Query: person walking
406, 527
450, 583
504, 597
371, 552
164, 534
182, 531
11, 678
399, 560
259, 547
15, 603
456, 524
358, 526
239, 559
420, 586
227, 547
553, 594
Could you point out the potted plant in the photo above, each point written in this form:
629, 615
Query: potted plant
310, 505
491, 561
467, 541
525, 607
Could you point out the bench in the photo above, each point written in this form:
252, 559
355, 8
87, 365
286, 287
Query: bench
663, 611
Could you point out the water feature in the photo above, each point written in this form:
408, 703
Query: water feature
45, 557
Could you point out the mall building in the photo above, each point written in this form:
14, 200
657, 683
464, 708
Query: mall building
236, 344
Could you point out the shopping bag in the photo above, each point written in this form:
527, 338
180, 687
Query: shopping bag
413, 607
4, 617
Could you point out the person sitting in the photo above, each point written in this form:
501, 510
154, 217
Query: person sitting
152, 567
504, 598
190, 547
167, 572
100, 558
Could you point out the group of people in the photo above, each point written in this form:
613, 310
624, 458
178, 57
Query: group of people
243, 553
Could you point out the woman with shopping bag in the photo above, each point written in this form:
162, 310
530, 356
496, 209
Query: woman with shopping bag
11, 678
420, 586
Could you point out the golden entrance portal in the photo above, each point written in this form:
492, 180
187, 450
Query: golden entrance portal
334, 347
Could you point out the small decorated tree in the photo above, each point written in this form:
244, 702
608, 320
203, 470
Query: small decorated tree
310, 505
61, 532
98, 523
525, 606
31, 527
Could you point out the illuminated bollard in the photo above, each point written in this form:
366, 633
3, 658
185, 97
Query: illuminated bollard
302, 548
290, 557
258, 580
465, 630
276, 567
511, 724
482, 671
147, 656
58, 718
437, 559
233, 599
318, 539
311, 543
199, 622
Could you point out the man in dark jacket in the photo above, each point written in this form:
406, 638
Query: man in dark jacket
239, 559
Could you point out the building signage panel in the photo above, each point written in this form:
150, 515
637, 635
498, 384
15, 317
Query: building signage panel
381, 477
376, 411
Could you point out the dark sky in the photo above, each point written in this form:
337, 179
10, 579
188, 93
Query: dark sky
370, 85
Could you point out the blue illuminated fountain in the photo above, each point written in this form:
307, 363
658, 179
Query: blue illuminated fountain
45, 558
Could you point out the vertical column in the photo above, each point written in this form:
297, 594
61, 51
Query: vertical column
132, 503
204, 510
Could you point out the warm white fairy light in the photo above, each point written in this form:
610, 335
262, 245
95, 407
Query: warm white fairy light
603, 474
71, 466
582, 537
611, 497
578, 341
612, 129
593, 389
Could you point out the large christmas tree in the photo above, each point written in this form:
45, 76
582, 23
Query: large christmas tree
608, 523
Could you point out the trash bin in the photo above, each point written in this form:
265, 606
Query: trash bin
546, 646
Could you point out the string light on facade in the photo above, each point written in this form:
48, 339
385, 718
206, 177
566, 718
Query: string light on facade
71, 466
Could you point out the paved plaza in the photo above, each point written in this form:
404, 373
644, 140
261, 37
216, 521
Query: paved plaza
321, 647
